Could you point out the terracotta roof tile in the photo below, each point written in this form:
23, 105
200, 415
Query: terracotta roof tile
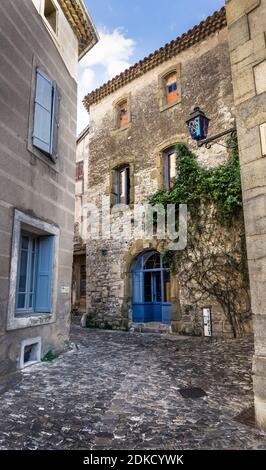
207, 27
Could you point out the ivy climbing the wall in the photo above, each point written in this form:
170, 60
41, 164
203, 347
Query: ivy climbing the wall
213, 267
196, 184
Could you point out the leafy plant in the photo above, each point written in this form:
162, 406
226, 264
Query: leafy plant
214, 265
49, 356
195, 184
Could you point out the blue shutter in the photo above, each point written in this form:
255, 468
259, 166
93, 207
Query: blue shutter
55, 124
42, 128
44, 275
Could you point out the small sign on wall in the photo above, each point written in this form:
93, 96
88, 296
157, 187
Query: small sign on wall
263, 138
65, 289
207, 322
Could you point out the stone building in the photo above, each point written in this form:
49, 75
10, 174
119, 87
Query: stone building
137, 119
79, 261
247, 32
41, 43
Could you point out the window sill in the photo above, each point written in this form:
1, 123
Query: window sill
28, 320
120, 130
117, 207
168, 106
37, 154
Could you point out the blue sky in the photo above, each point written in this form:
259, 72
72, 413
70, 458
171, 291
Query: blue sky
129, 31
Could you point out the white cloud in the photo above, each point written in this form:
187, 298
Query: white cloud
108, 58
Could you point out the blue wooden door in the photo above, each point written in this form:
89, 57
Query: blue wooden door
149, 300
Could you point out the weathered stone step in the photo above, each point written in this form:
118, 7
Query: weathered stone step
152, 327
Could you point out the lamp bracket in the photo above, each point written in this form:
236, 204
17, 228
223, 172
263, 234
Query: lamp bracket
208, 143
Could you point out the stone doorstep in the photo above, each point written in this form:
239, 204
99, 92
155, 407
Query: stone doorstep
152, 327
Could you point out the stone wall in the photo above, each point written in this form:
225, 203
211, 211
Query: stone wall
30, 181
79, 259
205, 81
247, 28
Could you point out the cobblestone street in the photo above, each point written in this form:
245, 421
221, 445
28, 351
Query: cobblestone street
120, 390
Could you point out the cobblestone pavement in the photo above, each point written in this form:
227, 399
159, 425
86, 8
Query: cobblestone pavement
121, 391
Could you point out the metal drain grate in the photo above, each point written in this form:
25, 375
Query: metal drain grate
192, 392
247, 417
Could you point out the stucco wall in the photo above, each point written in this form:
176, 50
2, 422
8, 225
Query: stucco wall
30, 181
64, 39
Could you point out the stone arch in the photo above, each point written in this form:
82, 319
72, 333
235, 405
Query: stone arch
136, 249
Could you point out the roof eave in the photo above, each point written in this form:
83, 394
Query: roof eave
212, 24
80, 21
94, 31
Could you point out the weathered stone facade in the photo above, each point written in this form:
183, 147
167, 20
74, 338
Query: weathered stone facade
247, 26
36, 193
79, 261
204, 79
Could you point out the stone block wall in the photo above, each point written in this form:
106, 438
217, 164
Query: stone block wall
206, 81
247, 33
30, 181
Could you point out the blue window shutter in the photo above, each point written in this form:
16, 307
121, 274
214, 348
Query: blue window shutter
55, 123
44, 275
43, 108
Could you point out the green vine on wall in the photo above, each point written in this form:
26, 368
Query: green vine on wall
214, 264
195, 184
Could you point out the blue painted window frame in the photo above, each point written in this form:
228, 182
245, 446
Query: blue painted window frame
32, 255
41, 291
46, 115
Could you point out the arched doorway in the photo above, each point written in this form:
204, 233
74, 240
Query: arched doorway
151, 296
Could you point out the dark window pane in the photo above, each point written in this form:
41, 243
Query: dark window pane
147, 287
21, 301
25, 243
27, 273
157, 287
172, 87
153, 261
23, 271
